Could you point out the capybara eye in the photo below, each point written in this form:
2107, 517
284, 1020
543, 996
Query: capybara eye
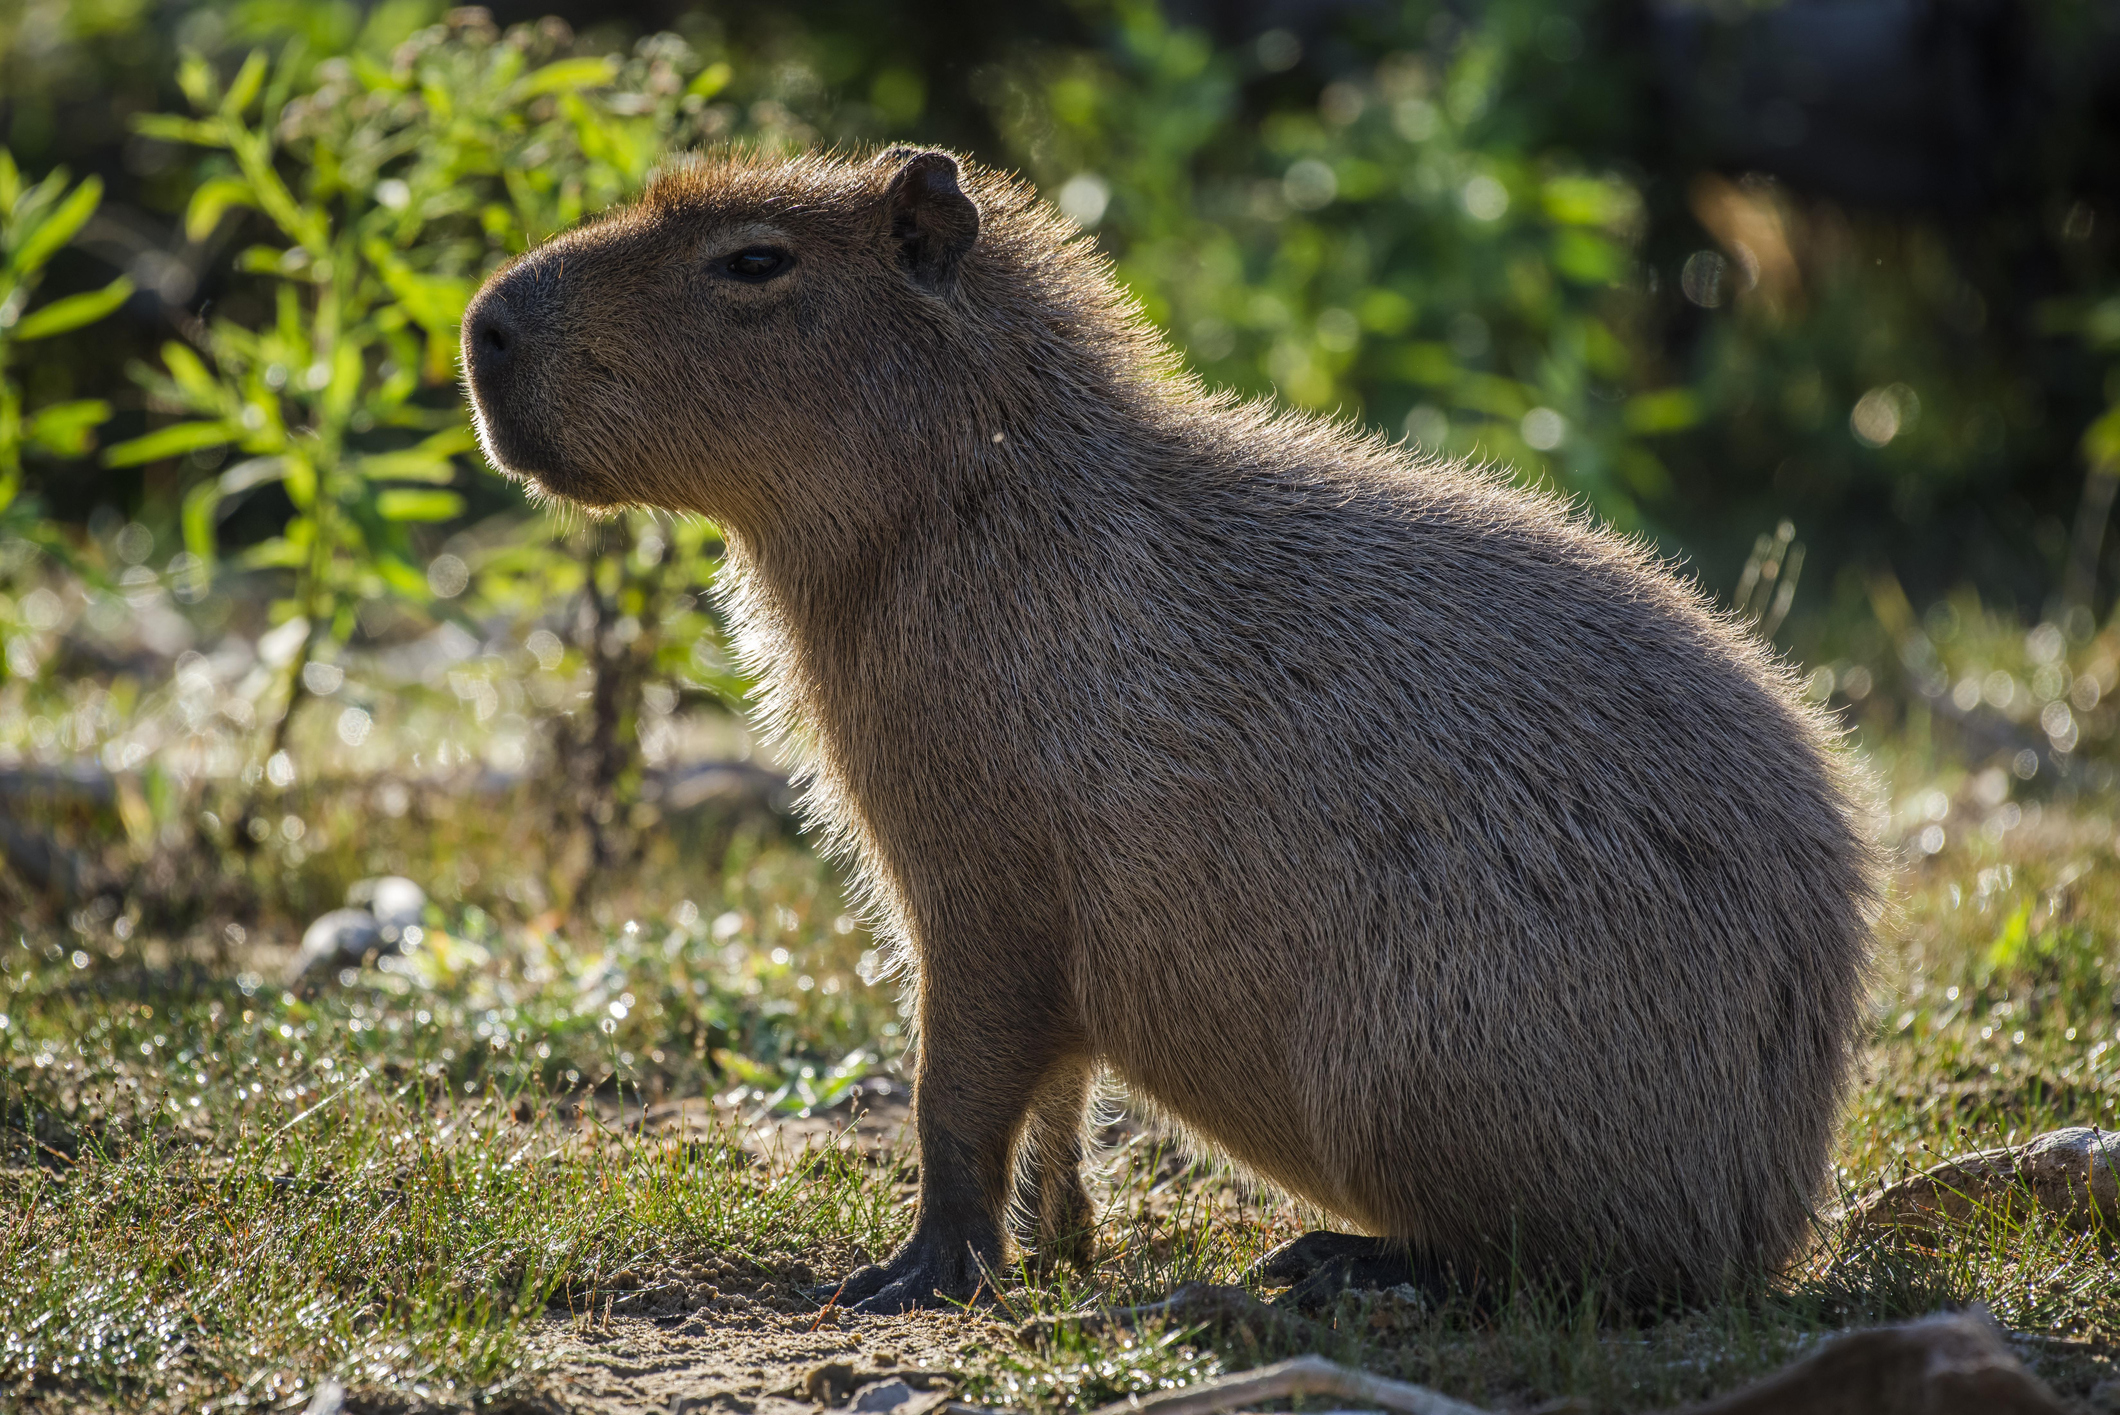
758, 263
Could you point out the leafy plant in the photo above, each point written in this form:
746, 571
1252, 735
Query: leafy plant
37, 219
385, 189
1395, 253
806, 1091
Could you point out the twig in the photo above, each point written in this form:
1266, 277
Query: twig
1305, 1375
986, 1275
831, 1304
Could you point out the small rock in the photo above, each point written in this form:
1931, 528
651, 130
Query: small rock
2072, 1175
895, 1397
829, 1383
377, 913
396, 902
342, 937
884, 1395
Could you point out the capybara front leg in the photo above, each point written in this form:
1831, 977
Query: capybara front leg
979, 1068
1061, 1223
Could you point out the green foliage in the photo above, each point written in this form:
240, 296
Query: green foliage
643, 624
37, 219
1397, 255
385, 188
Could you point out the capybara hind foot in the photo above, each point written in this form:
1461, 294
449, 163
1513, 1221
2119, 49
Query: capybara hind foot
1361, 1260
926, 1272
1317, 1267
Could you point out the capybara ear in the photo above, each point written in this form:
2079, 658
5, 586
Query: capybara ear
931, 221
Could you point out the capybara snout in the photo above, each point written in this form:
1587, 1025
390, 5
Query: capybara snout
492, 333
508, 367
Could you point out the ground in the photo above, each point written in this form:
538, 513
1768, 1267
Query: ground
594, 1164
760, 1364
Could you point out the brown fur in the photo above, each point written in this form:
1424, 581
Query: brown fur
1430, 851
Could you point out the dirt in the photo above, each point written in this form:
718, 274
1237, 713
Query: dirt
741, 1338
757, 1361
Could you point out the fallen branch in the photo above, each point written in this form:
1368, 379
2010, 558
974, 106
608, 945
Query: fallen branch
2072, 1175
1305, 1375
1955, 1363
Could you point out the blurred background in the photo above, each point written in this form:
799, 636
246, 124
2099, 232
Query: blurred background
1821, 296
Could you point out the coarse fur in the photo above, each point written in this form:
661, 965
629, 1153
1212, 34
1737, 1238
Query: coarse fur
1430, 851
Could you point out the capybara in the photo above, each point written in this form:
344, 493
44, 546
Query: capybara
1421, 846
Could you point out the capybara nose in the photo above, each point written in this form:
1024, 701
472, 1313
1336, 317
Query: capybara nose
493, 337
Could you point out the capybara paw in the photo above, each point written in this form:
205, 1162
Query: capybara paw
921, 1274
1321, 1265
1319, 1250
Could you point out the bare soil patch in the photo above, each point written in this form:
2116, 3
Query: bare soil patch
754, 1357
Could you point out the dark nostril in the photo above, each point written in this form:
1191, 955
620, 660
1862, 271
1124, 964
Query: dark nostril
493, 334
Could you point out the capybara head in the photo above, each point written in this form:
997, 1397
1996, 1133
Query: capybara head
754, 325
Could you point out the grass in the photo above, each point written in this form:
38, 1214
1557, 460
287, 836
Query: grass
417, 1178
216, 1190
213, 1184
